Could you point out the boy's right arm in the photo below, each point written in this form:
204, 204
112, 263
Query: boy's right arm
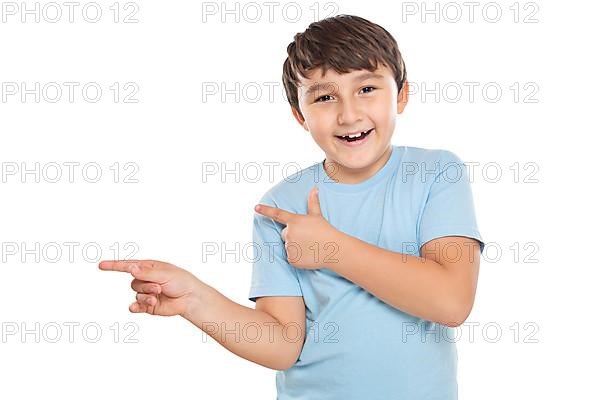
271, 335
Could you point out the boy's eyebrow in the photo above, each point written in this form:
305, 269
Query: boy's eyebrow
357, 78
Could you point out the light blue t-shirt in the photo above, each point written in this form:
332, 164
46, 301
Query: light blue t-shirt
357, 346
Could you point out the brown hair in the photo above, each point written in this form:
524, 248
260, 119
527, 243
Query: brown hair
344, 43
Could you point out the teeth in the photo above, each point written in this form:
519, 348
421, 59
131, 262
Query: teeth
356, 134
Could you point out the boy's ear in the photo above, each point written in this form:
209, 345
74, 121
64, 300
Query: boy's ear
299, 118
402, 97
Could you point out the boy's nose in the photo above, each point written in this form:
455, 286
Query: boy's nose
349, 113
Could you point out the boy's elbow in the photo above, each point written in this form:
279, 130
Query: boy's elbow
283, 364
283, 367
294, 358
288, 356
457, 315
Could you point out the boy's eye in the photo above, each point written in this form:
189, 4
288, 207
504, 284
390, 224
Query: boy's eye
322, 97
369, 87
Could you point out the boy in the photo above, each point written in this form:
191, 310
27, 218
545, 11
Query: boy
364, 258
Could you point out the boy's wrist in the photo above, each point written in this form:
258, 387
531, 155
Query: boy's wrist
333, 260
197, 301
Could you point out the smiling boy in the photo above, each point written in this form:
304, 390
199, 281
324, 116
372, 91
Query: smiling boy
373, 254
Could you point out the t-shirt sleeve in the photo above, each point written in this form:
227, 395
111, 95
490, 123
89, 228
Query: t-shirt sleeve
449, 209
272, 275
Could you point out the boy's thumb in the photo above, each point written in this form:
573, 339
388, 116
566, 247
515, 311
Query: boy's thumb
314, 207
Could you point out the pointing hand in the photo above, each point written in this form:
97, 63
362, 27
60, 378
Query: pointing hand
162, 288
310, 241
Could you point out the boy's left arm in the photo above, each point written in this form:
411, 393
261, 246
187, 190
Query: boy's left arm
439, 286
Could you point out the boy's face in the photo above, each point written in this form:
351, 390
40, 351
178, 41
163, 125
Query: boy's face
342, 104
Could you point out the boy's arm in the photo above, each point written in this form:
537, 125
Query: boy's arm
438, 287
274, 341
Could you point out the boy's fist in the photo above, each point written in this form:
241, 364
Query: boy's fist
162, 288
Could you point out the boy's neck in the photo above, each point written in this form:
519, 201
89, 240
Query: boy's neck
354, 175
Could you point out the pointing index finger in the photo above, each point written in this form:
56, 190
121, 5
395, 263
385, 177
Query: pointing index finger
118, 265
279, 215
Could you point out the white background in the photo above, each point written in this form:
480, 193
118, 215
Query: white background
546, 213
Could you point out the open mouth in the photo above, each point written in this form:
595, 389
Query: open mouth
354, 138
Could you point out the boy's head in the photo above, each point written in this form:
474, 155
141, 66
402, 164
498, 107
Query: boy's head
343, 75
